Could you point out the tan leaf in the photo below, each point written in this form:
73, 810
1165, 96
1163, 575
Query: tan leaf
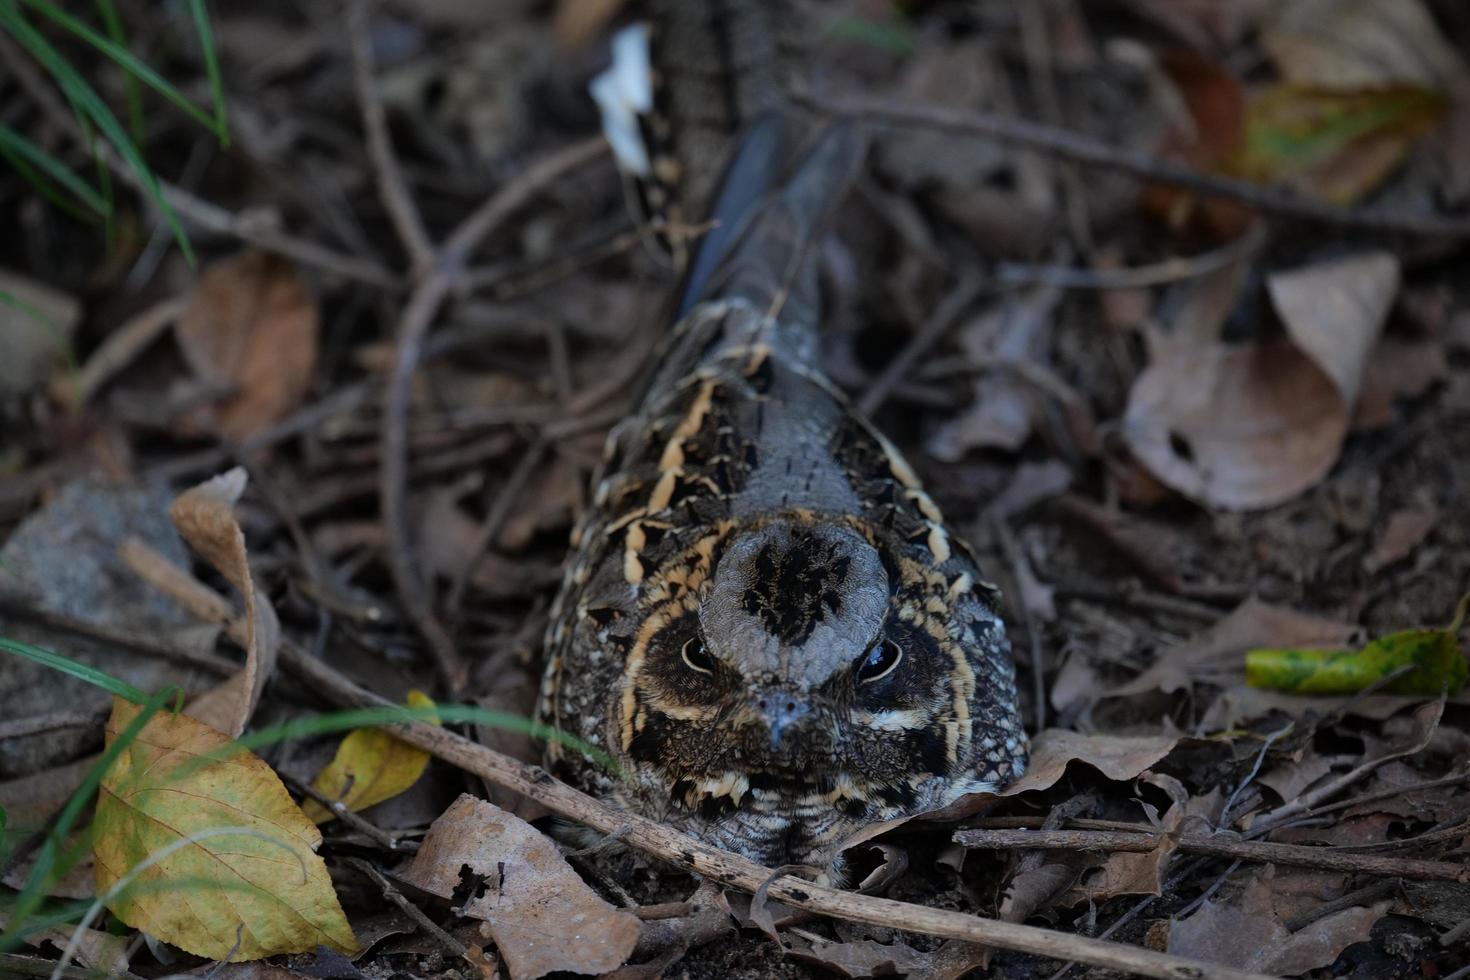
370, 766
251, 326
260, 885
205, 518
1246, 933
543, 917
1353, 44
1218, 650
1244, 426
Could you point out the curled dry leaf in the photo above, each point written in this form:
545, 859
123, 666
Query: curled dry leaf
1244, 426
543, 917
205, 518
253, 892
251, 328
1246, 933
370, 766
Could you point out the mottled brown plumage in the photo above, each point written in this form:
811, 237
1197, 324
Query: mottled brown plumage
765, 620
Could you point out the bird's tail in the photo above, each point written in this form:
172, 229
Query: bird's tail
723, 143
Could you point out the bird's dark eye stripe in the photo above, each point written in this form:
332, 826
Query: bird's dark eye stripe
879, 661
696, 656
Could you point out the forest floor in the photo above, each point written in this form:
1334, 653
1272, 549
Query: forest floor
1176, 423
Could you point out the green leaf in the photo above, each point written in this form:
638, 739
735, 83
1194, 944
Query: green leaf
1432, 657
211, 70
132, 94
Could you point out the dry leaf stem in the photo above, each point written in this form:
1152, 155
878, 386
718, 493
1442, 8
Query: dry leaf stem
736, 872
1076, 146
1298, 855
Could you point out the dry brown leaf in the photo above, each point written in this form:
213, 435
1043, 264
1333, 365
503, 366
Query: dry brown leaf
1218, 650
1005, 406
543, 917
1246, 933
1403, 533
1399, 367
1117, 757
864, 958
251, 326
1358, 44
1248, 426
1132, 873
205, 518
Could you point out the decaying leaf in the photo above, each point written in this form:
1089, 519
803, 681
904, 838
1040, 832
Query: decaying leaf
1216, 651
543, 917
251, 329
370, 766
1246, 933
37, 324
249, 885
1433, 654
1336, 145
205, 518
1243, 426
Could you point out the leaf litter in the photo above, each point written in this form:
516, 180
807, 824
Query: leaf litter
1207, 428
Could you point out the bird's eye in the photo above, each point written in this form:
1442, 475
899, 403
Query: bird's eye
879, 661
696, 656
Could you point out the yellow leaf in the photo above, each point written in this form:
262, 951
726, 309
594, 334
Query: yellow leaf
206, 848
370, 766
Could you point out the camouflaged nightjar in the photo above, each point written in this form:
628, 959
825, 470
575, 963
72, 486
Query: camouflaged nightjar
765, 620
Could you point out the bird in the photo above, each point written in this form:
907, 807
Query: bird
765, 623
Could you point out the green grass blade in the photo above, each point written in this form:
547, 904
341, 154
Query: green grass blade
15, 143
132, 93
126, 60
51, 862
45, 187
211, 70
90, 104
78, 670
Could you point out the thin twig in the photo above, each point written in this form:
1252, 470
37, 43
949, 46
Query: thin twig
454, 946
924, 339
349, 817
1161, 273
392, 189
413, 326
149, 645
734, 871
1363, 896
1075, 146
495, 518
53, 722
1219, 845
